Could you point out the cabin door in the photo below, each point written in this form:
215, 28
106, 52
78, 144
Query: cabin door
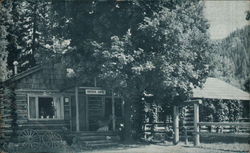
95, 111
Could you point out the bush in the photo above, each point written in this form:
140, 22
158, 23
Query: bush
221, 110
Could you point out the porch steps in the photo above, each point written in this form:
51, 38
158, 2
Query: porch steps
96, 139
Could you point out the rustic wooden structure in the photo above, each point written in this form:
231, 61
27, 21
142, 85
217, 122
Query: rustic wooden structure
212, 89
44, 101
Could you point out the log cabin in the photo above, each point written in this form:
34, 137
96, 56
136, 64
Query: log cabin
41, 98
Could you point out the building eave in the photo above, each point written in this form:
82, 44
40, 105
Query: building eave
23, 74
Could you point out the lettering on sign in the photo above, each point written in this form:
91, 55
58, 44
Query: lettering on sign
95, 92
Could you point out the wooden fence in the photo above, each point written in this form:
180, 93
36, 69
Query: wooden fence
232, 129
165, 129
241, 129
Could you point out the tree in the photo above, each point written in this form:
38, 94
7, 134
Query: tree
247, 85
5, 20
36, 35
231, 58
165, 56
222, 66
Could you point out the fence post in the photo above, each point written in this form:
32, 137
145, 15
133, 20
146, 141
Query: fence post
176, 125
196, 126
186, 136
77, 108
113, 111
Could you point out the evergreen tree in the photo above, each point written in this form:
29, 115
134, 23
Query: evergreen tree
35, 34
5, 20
232, 57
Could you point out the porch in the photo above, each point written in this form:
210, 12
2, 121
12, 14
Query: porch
95, 109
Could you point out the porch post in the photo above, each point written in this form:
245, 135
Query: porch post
113, 111
176, 125
77, 109
196, 126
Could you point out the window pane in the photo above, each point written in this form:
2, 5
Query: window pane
46, 107
32, 107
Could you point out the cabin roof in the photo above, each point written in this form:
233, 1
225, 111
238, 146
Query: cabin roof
24, 74
217, 89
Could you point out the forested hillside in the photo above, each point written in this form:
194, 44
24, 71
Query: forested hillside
232, 57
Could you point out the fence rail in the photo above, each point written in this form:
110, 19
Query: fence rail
160, 128
230, 129
245, 124
244, 135
157, 126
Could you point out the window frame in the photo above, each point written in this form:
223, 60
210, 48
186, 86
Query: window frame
36, 96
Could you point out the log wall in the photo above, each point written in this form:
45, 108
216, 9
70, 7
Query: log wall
7, 107
1, 113
40, 124
49, 80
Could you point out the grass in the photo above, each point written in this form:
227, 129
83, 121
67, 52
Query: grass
180, 148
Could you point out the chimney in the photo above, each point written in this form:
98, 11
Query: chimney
15, 63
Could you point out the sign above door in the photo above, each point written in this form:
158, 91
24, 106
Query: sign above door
95, 92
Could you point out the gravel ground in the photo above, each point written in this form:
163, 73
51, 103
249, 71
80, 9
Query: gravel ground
181, 148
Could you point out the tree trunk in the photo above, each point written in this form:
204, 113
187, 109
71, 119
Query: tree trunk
33, 47
128, 122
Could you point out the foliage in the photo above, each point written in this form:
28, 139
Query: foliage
5, 20
208, 110
235, 110
221, 110
35, 37
247, 85
152, 52
231, 60
162, 56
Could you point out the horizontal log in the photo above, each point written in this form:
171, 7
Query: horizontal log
21, 94
21, 121
42, 126
21, 98
154, 132
7, 119
223, 134
6, 126
157, 123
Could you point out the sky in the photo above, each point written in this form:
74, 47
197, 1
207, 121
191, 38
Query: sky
226, 16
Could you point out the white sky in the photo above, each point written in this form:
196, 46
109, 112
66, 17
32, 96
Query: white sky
225, 16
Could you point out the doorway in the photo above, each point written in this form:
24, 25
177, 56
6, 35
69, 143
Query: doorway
95, 111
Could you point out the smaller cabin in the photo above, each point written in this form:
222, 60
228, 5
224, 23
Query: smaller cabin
226, 120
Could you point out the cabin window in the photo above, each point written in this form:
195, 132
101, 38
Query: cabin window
45, 107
